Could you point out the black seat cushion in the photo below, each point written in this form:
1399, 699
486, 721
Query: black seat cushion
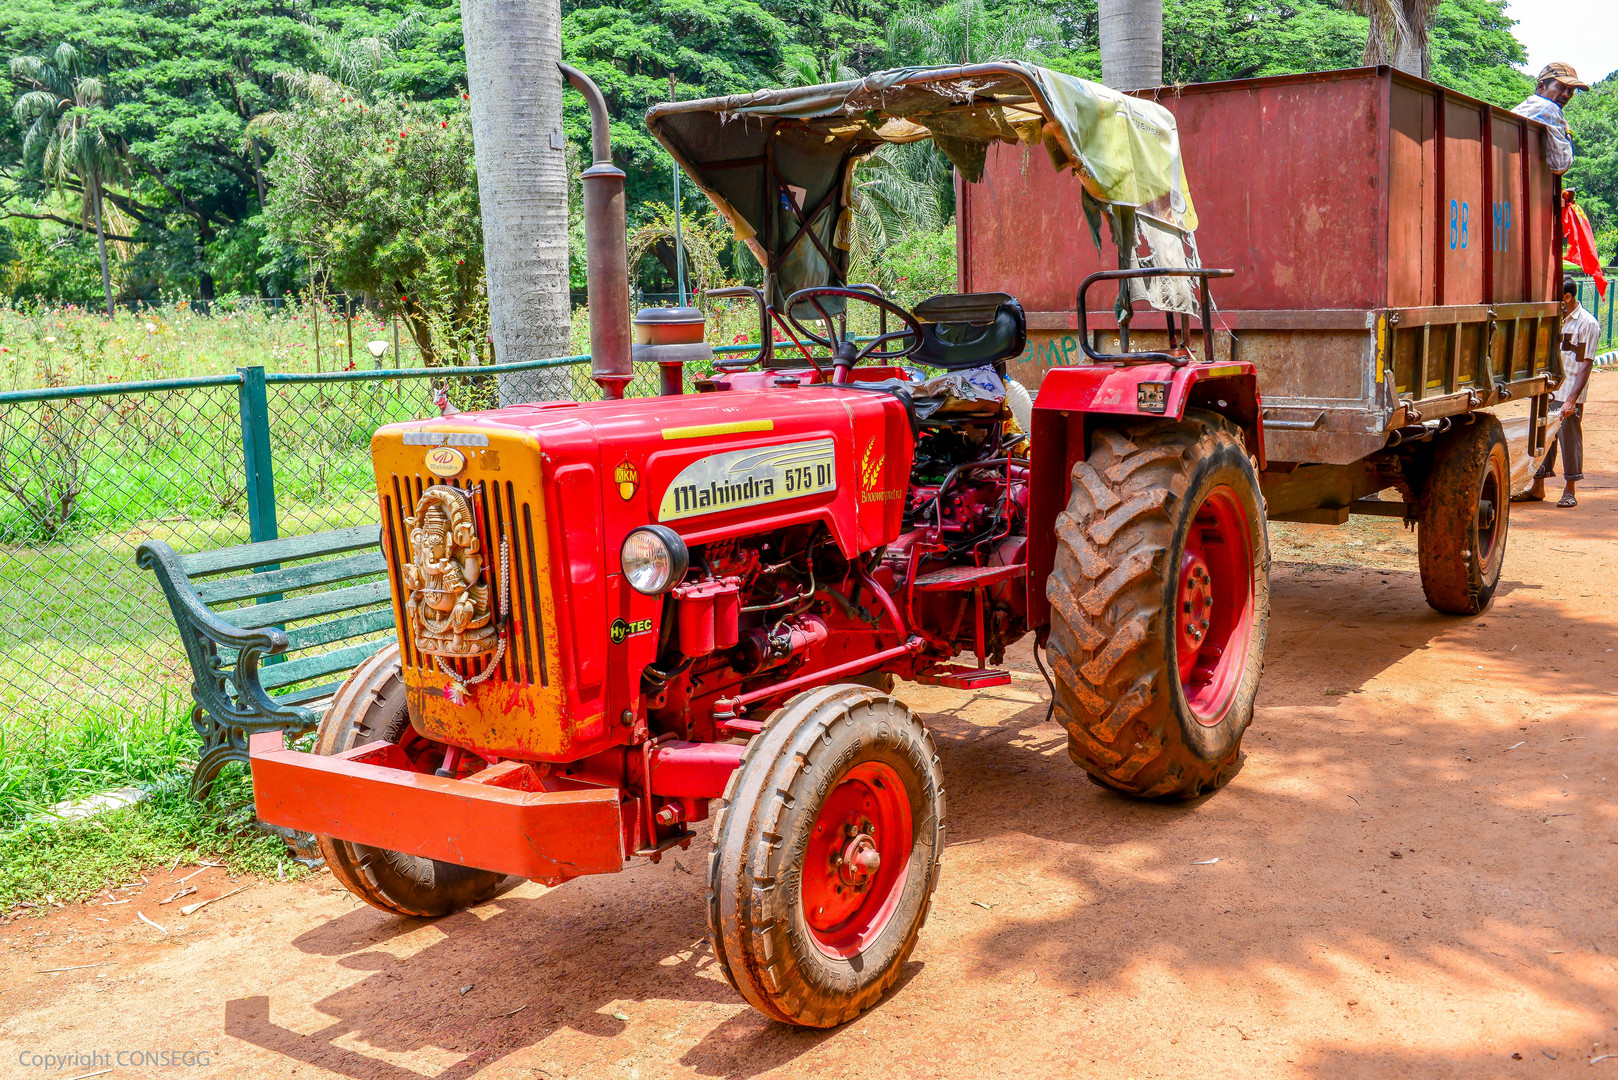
967, 330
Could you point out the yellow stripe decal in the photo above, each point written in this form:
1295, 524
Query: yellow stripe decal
1221, 371
702, 431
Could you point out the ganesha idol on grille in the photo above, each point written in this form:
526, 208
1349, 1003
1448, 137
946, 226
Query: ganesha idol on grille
448, 609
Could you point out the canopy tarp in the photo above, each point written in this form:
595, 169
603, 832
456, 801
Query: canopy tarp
779, 164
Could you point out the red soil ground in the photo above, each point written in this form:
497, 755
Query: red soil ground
1415, 877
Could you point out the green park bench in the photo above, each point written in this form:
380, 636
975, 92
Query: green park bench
233, 607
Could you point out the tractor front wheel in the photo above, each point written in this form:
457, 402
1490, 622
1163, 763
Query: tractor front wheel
368, 707
1160, 605
825, 856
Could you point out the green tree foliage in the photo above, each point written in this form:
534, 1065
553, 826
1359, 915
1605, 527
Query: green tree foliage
1474, 51
187, 77
632, 49
833, 34
968, 32
1592, 118
383, 197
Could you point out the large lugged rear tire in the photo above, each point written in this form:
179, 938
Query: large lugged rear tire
824, 857
1160, 605
371, 706
1465, 514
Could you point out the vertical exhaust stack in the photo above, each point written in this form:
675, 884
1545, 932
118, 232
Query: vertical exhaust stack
606, 243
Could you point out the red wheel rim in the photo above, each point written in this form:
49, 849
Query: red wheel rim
857, 859
1213, 605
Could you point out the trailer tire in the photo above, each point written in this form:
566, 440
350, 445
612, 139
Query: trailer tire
1465, 516
830, 760
371, 706
1157, 632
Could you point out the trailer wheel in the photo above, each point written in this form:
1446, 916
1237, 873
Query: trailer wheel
824, 858
371, 706
1465, 513
1160, 606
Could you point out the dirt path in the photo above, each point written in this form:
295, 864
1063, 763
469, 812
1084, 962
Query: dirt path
1414, 878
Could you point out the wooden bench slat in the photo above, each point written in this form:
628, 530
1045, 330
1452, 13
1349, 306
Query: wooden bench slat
308, 694
341, 629
265, 552
288, 579
312, 667
253, 616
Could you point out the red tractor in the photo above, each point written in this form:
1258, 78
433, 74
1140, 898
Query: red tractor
619, 618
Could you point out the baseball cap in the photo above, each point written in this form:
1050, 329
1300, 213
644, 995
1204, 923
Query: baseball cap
1564, 74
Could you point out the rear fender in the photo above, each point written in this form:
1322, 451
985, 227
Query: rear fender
1074, 401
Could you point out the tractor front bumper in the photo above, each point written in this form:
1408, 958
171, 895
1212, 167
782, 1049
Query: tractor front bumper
495, 820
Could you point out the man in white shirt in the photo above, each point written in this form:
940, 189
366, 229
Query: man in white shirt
1557, 84
1580, 335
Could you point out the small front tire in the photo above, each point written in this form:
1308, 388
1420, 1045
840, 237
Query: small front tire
368, 707
825, 856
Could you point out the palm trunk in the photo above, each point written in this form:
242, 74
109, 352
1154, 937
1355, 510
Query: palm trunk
101, 241
512, 49
1385, 44
1131, 43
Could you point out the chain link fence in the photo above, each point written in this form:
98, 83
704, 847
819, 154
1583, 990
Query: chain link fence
88, 473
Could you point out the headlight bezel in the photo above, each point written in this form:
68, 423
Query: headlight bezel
679, 557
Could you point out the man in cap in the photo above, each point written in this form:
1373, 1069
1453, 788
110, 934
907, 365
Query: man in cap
1580, 334
1557, 85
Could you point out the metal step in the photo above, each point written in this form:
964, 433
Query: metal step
961, 677
967, 577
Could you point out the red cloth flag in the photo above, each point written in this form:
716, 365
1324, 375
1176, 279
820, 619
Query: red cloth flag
1581, 242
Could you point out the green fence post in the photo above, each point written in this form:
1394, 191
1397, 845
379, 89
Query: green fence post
261, 525
255, 409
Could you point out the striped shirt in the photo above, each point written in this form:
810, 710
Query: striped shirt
1580, 330
1559, 149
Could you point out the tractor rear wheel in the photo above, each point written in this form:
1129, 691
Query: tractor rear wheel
1465, 512
824, 858
1160, 605
368, 707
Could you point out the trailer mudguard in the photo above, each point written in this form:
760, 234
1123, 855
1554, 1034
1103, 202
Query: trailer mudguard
1074, 401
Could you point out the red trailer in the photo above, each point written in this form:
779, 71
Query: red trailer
1395, 247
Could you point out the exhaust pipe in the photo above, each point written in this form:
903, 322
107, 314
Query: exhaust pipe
606, 245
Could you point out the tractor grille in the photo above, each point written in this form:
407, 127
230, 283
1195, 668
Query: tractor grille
503, 517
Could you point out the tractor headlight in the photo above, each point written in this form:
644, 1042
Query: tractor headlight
654, 559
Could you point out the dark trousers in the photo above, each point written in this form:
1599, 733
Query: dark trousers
1571, 440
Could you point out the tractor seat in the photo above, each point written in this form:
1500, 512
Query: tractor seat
968, 330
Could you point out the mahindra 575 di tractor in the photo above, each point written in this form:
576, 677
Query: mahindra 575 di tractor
619, 618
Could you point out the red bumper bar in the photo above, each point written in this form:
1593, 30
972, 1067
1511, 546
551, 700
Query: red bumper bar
546, 835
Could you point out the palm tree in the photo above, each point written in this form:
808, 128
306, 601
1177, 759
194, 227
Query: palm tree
1131, 43
349, 66
512, 50
964, 32
1398, 33
64, 118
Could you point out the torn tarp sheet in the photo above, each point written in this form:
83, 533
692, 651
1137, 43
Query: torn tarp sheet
773, 159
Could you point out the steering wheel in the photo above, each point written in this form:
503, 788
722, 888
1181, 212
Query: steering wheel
844, 355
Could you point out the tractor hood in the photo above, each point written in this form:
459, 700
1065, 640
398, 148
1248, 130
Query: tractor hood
543, 498
779, 163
